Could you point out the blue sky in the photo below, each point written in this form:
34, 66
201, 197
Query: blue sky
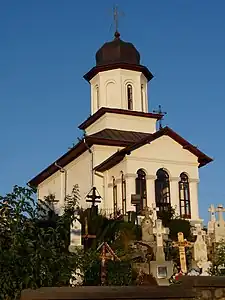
47, 46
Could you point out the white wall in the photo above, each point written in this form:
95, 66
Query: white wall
122, 122
161, 153
112, 86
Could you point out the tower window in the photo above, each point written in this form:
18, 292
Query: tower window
142, 97
162, 190
97, 96
141, 190
123, 182
129, 96
184, 194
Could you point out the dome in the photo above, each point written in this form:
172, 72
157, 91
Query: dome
117, 51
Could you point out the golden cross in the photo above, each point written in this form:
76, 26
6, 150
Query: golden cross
182, 244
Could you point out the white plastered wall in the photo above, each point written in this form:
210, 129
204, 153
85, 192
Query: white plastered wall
112, 90
77, 172
161, 153
122, 122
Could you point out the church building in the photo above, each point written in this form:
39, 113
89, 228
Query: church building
122, 153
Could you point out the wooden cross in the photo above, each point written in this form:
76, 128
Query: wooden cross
162, 113
220, 210
182, 244
106, 254
212, 213
93, 197
86, 235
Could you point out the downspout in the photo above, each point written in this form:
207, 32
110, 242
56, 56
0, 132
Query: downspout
62, 170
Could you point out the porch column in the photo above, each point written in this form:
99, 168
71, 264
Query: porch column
174, 194
130, 189
150, 182
193, 186
119, 194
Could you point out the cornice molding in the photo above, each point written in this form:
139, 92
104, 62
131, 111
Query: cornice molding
130, 175
194, 180
151, 177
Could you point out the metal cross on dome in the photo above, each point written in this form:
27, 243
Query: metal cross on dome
116, 15
162, 113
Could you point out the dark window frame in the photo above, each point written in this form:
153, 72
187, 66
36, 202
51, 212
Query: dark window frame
184, 197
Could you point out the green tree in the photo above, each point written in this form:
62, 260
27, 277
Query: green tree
218, 262
33, 243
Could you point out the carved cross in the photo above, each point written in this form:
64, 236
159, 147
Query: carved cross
182, 244
220, 210
199, 232
159, 231
212, 213
154, 210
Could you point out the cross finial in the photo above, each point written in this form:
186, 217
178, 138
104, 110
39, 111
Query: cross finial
162, 113
116, 15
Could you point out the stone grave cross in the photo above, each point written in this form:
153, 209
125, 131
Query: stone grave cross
182, 244
212, 213
220, 210
212, 221
200, 248
154, 210
159, 231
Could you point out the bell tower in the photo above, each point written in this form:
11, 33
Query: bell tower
118, 80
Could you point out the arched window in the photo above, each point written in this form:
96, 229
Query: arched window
142, 97
129, 97
123, 186
97, 96
162, 190
184, 195
114, 197
141, 190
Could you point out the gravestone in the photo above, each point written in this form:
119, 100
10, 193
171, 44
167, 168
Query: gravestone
200, 247
147, 227
212, 221
161, 269
220, 224
181, 244
75, 244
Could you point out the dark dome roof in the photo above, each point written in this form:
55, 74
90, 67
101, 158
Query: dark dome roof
117, 51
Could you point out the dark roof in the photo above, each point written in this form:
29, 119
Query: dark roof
118, 156
109, 137
120, 135
104, 110
118, 65
117, 51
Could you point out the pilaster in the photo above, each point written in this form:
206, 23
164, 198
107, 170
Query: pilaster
130, 189
174, 194
193, 186
150, 185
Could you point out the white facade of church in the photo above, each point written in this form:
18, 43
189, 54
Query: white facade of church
122, 152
